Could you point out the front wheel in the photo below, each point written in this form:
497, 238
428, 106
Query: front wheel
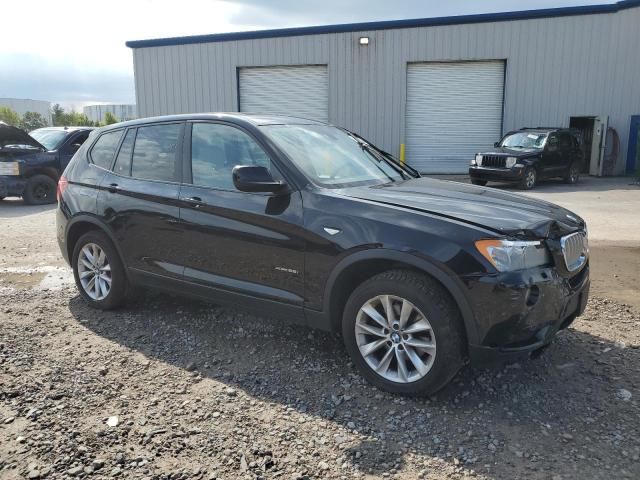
404, 333
40, 190
529, 178
573, 175
98, 271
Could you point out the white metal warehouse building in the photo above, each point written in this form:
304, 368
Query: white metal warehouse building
440, 89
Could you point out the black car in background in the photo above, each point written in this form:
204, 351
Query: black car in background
528, 155
31, 164
311, 223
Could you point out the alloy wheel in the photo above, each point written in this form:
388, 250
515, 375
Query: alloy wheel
530, 178
395, 339
94, 271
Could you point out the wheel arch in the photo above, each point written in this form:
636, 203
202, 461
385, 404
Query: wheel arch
354, 269
50, 172
82, 224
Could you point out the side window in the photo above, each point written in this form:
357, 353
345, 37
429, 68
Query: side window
216, 149
105, 148
552, 143
123, 160
154, 152
565, 142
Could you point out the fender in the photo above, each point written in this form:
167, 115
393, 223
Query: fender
451, 284
87, 218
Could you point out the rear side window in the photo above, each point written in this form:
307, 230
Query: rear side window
123, 160
154, 153
104, 149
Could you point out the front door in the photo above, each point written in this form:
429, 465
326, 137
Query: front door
247, 244
139, 200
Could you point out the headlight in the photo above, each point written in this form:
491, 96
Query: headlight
508, 255
477, 161
9, 168
511, 161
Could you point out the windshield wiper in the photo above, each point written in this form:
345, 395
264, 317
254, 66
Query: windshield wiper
381, 155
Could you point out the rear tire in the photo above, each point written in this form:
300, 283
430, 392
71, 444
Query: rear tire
480, 183
573, 175
40, 190
529, 178
432, 329
109, 287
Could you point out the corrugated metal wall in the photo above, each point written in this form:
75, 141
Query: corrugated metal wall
556, 68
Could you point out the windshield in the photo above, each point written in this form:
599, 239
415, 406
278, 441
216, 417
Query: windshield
49, 138
331, 157
525, 140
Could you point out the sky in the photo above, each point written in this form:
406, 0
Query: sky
73, 52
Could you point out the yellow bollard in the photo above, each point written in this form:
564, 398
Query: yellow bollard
402, 153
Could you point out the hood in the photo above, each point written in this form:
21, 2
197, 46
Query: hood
513, 152
12, 136
503, 212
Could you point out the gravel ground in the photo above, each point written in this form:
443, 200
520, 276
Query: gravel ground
168, 388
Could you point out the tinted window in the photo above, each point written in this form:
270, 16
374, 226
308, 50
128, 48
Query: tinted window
123, 160
565, 142
216, 149
105, 148
154, 154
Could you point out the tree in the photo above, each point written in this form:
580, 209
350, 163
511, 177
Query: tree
9, 116
110, 118
57, 115
32, 120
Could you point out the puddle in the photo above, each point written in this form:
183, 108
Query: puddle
36, 278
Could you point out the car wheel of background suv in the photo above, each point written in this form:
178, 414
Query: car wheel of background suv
98, 271
573, 175
529, 178
40, 190
404, 333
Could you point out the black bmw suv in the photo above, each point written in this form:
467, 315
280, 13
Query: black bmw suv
528, 155
314, 224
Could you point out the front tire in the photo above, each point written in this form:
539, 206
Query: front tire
404, 333
40, 190
480, 183
98, 271
529, 178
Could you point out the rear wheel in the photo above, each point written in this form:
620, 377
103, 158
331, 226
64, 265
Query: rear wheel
481, 183
573, 175
40, 190
529, 178
98, 271
404, 333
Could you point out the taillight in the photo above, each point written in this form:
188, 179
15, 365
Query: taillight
63, 183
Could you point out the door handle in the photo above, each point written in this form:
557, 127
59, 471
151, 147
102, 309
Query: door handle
113, 187
194, 201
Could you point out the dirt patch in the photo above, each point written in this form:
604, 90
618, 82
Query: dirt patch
615, 273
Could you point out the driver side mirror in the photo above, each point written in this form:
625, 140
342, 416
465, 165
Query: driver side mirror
250, 178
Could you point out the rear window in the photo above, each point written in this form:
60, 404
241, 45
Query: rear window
154, 153
105, 148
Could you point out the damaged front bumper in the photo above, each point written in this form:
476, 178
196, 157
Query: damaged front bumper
519, 313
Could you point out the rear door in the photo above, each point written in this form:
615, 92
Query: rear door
249, 245
139, 199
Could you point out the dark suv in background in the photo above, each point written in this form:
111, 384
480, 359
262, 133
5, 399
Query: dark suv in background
311, 223
31, 163
528, 155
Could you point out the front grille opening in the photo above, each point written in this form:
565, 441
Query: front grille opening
494, 161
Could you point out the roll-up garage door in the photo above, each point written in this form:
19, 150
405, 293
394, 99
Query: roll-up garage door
300, 91
454, 110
